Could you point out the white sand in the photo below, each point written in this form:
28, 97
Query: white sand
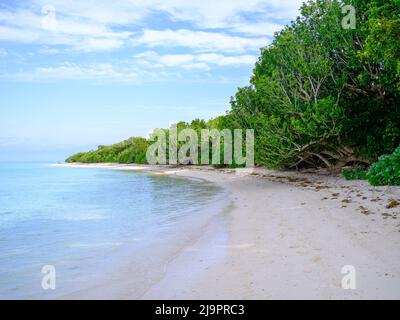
289, 235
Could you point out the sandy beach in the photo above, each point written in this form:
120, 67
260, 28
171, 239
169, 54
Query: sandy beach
288, 237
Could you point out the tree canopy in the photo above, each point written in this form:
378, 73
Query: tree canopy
322, 95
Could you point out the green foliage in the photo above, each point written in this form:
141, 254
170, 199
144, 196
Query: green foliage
132, 150
386, 171
357, 173
324, 96
382, 44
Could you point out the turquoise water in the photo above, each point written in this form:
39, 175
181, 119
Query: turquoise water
85, 221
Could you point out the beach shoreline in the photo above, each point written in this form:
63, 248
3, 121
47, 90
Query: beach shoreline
289, 236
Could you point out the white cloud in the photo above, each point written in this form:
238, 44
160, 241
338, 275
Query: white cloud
72, 71
81, 43
223, 33
17, 35
225, 14
24, 26
196, 66
222, 60
172, 60
257, 29
92, 25
105, 12
145, 66
199, 40
204, 13
49, 51
203, 61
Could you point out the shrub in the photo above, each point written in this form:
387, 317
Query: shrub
357, 173
386, 171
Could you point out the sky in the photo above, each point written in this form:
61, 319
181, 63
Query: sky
77, 74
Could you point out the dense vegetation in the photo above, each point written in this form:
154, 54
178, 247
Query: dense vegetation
320, 95
386, 171
357, 173
132, 150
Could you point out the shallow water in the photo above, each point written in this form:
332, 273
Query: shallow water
93, 225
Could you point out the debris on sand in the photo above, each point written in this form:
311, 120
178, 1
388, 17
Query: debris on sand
364, 210
392, 204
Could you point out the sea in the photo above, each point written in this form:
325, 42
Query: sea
75, 232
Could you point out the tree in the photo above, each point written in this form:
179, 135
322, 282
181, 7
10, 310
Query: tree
321, 95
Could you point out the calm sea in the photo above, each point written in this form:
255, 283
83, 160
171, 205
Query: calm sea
95, 226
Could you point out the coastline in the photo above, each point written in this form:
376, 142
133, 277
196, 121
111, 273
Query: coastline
289, 235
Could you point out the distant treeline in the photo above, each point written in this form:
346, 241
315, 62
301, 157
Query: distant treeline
133, 150
321, 94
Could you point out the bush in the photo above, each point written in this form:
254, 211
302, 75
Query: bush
386, 171
358, 173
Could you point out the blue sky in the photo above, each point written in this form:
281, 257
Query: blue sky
76, 74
